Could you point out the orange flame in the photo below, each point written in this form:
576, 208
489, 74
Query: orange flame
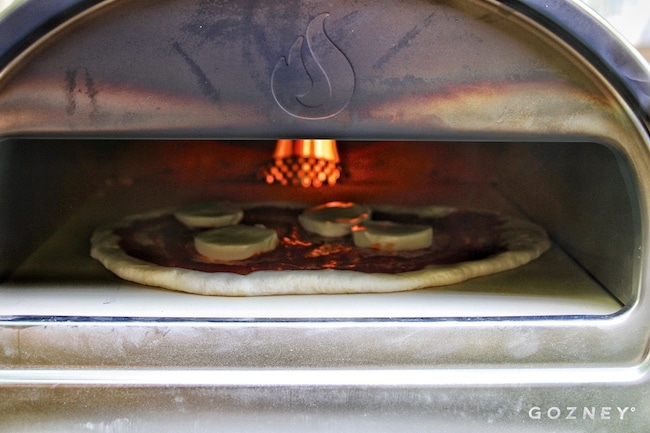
309, 163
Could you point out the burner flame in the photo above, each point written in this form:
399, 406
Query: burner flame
308, 163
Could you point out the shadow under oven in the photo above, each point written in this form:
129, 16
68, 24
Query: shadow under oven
531, 109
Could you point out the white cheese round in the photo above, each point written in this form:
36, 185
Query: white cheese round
388, 236
235, 242
205, 215
333, 219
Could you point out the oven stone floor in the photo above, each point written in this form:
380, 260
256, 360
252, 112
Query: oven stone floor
61, 279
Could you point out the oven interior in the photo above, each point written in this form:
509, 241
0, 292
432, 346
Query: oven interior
473, 105
56, 192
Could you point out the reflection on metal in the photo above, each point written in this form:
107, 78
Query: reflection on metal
7, 6
309, 163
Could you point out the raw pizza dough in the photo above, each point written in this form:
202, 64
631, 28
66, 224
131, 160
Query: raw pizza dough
520, 242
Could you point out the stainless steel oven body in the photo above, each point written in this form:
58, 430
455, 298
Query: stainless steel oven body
532, 108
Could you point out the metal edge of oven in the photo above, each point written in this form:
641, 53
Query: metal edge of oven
607, 393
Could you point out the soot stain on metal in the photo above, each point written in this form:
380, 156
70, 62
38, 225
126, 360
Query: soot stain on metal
404, 42
92, 92
207, 87
70, 86
72, 89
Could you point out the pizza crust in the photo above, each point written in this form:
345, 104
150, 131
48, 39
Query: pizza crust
525, 242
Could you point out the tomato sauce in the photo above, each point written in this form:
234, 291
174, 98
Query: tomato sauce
457, 237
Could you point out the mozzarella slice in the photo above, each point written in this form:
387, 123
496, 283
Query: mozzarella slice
235, 242
333, 219
388, 236
204, 215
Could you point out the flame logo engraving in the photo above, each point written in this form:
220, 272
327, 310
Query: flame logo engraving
316, 80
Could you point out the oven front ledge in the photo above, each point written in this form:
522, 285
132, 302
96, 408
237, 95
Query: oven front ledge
327, 377
576, 347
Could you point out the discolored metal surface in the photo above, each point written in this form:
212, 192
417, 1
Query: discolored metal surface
365, 69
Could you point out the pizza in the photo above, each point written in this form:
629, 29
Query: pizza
258, 249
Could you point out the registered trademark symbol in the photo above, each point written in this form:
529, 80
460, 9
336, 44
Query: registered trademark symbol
632, 409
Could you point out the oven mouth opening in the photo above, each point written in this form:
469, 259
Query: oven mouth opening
59, 191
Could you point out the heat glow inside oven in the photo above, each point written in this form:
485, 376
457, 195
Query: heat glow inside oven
56, 192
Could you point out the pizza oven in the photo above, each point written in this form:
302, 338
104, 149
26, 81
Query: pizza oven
533, 109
